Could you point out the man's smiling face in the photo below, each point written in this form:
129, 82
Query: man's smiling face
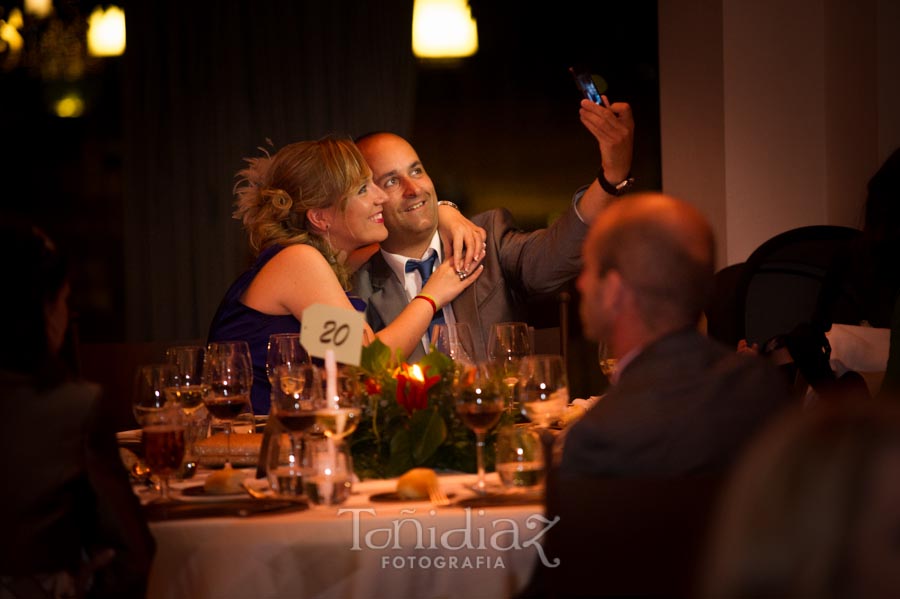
410, 212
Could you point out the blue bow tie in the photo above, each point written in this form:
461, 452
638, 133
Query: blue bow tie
425, 267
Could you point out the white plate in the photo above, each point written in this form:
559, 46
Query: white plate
196, 493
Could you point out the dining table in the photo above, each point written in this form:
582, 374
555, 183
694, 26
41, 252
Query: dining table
372, 545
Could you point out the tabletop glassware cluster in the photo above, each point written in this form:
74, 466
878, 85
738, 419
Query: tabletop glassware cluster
313, 410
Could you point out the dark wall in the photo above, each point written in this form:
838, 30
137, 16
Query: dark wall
139, 187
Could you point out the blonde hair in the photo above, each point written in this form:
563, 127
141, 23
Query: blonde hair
275, 193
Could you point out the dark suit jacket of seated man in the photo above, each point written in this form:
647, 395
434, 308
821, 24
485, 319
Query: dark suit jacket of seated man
680, 402
685, 405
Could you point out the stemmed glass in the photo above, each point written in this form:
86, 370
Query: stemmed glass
479, 403
338, 416
543, 389
284, 349
296, 393
152, 390
161, 422
606, 360
508, 343
228, 374
454, 340
188, 391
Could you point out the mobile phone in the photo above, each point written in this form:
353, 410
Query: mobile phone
585, 83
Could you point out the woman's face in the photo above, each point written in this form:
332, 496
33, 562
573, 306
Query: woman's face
362, 222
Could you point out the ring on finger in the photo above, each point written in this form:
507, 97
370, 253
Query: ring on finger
462, 275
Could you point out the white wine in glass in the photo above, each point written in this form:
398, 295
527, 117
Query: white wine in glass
508, 343
543, 389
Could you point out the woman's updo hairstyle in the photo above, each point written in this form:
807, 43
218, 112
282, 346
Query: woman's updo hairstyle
274, 193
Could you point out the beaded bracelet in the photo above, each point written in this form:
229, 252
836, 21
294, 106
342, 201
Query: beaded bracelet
430, 300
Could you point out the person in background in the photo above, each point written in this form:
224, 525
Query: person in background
71, 524
306, 210
863, 282
518, 264
680, 402
813, 508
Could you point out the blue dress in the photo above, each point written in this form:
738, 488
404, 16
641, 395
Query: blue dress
235, 321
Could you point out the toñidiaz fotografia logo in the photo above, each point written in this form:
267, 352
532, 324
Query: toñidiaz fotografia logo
422, 541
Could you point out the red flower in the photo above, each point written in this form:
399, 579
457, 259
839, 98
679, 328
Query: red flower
373, 387
413, 386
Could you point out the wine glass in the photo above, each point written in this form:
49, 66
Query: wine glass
454, 340
606, 360
152, 390
339, 415
188, 391
284, 349
160, 419
479, 403
508, 343
543, 389
296, 395
163, 438
228, 374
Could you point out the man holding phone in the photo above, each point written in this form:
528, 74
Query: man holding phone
517, 264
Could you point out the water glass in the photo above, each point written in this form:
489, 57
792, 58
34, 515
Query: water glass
327, 471
284, 467
520, 458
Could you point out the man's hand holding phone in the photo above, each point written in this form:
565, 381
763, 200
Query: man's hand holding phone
612, 125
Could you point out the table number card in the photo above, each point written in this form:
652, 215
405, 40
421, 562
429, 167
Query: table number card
327, 327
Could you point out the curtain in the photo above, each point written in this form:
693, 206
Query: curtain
206, 84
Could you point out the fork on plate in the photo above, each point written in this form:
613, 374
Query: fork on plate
437, 495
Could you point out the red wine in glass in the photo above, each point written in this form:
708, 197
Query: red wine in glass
227, 407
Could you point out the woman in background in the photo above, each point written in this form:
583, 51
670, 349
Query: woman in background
813, 509
71, 524
306, 210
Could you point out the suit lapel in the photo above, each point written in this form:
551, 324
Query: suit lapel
388, 296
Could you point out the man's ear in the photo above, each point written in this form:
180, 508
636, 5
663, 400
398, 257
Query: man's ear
320, 218
617, 290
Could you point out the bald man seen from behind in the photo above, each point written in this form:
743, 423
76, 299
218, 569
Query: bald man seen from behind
680, 403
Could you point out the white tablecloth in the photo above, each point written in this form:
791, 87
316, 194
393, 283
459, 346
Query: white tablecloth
358, 549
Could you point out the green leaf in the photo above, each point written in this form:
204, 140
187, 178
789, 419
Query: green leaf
401, 453
376, 357
428, 430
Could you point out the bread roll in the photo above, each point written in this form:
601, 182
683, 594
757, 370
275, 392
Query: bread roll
415, 483
244, 449
226, 481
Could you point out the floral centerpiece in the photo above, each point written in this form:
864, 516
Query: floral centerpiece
409, 416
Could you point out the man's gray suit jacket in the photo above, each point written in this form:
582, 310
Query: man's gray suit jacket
517, 265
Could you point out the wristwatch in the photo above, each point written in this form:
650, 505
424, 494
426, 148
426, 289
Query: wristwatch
620, 188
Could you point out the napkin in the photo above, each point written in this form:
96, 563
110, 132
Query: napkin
863, 349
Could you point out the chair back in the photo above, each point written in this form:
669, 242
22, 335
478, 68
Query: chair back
780, 282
